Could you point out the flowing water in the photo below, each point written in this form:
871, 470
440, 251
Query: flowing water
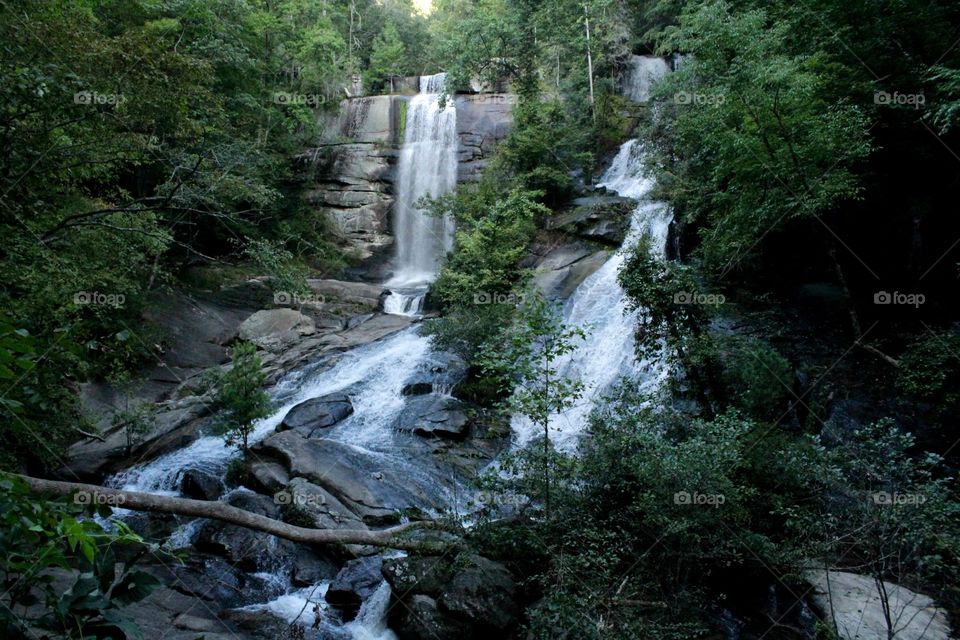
599, 307
642, 73
427, 168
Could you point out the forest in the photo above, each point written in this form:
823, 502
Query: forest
460, 319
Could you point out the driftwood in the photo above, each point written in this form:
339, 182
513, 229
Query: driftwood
394, 537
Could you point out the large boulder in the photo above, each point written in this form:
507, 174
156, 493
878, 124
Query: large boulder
440, 373
355, 583
354, 476
434, 417
200, 485
483, 593
854, 602
318, 504
317, 413
600, 218
276, 329
457, 598
247, 549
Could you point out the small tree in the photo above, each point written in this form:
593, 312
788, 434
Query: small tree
525, 358
386, 58
241, 395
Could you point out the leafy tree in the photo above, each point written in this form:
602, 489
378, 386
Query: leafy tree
748, 136
240, 394
386, 58
526, 358
40, 538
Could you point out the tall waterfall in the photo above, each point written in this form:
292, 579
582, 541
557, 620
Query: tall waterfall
427, 167
643, 72
599, 307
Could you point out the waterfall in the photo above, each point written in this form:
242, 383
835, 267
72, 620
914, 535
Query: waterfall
427, 167
643, 72
599, 307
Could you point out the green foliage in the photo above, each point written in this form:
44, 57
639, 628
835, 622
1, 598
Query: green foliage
386, 59
756, 378
38, 539
747, 137
930, 369
889, 512
240, 395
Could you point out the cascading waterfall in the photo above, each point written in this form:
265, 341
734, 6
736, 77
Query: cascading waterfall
643, 72
599, 307
427, 167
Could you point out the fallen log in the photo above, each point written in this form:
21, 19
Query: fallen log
392, 538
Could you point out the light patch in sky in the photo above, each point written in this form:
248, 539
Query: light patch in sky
424, 5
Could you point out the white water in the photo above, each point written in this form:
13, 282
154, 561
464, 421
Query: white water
374, 374
599, 307
427, 168
643, 72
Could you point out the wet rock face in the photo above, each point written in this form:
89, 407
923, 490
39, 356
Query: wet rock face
599, 218
244, 548
355, 583
316, 414
276, 329
200, 485
434, 417
459, 598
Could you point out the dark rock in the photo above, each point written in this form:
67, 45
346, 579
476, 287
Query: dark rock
416, 574
317, 413
434, 417
420, 617
352, 475
247, 549
208, 578
310, 568
482, 593
266, 476
200, 485
601, 218
355, 583
439, 374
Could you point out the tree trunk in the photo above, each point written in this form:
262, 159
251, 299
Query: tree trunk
589, 62
392, 538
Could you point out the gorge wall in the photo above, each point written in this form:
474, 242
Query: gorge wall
353, 167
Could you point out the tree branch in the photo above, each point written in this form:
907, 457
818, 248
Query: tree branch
393, 538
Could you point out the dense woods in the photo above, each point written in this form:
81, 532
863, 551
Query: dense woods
804, 313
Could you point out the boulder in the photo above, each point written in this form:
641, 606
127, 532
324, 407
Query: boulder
858, 611
267, 476
310, 568
355, 583
247, 549
483, 593
352, 475
434, 417
600, 218
440, 373
276, 329
458, 598
316, 502
422, 618
317, 413
200, 485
